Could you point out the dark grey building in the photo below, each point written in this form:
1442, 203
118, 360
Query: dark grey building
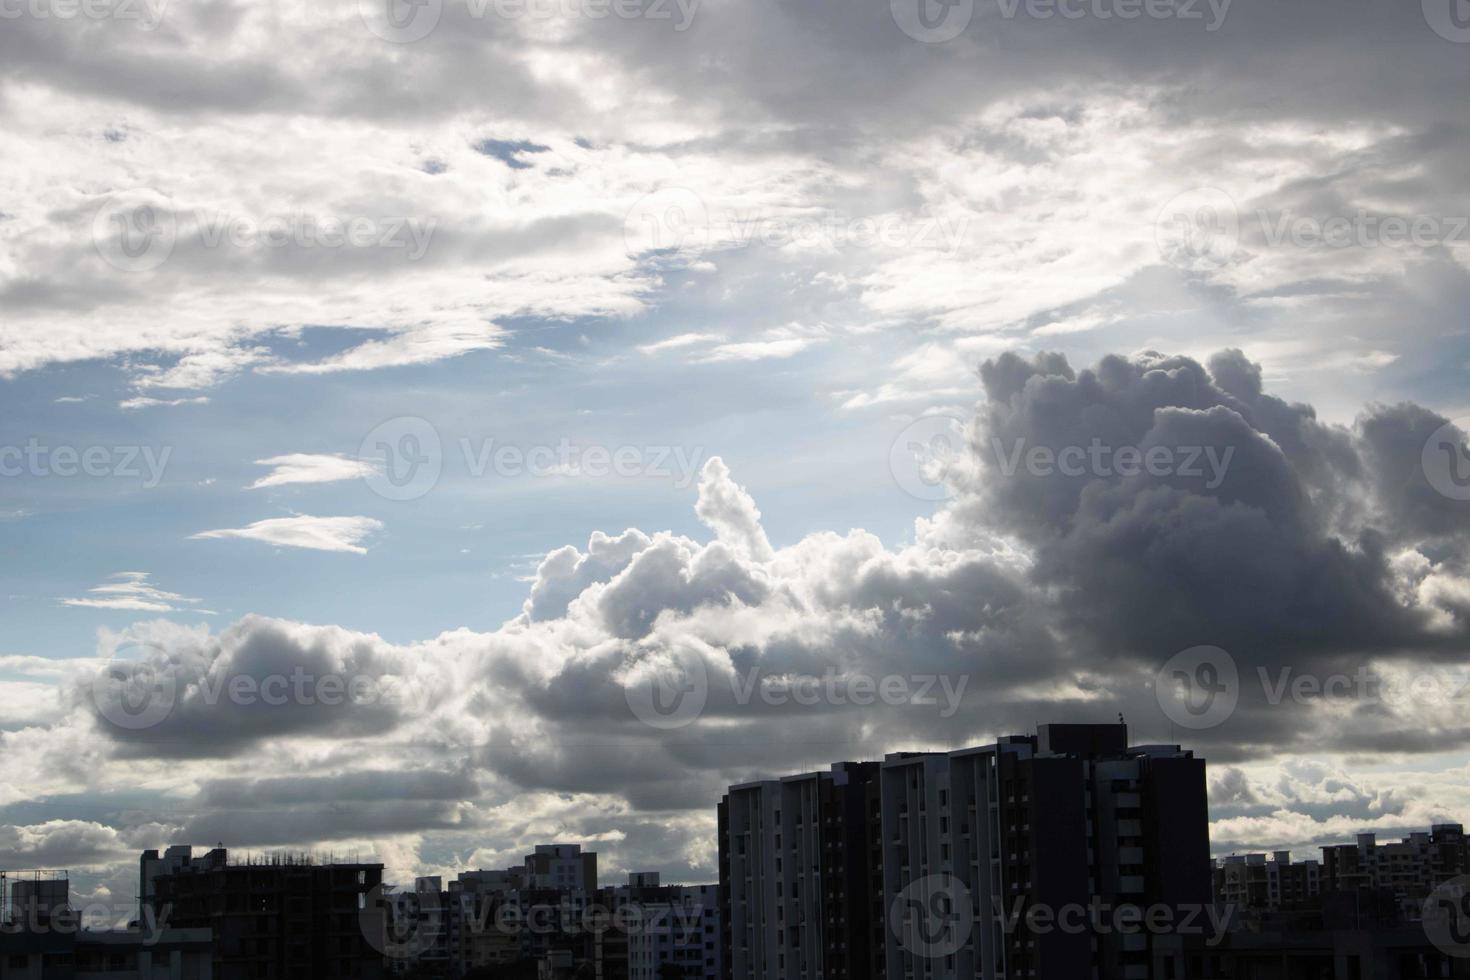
278, 918
1038, 856
800, 880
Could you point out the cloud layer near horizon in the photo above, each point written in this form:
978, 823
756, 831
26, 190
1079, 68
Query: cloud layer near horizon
1320, 549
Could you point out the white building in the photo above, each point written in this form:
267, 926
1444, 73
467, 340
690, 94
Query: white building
683, 931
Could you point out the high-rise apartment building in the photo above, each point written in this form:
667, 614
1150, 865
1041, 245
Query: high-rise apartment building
1409, 869
799, 880
1254, 883
675, 930
1028, 858
561, 867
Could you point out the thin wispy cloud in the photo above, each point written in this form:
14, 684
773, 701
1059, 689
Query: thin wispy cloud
680, 341
133, 592
309, 468
143, 401
344, 534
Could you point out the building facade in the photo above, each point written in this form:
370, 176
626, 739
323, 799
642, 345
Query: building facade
800, 883
1024, 858
1408, 869
676, 933
1255, 883
42, 938
278, 918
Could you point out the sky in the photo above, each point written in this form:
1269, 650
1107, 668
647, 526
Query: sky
619, 393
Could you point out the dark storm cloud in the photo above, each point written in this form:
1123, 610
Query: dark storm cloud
1287, 559
258, 680
291, 809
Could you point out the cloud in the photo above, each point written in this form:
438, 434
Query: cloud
679, 341
755, 350
203, 369
143, 401
61, 844
414, 345
131, 591
728, 510
315, 533
1023, 597
309, 468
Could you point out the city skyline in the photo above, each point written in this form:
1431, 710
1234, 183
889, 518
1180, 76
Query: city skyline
432, 429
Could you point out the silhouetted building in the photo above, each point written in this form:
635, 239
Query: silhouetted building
279, 918
42, 938
561, 867
1252, 883
1017, 859
800, 884
1409, 869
